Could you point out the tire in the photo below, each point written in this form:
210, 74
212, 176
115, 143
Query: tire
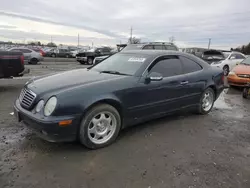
67, 56
245, 93
82, 62
89, 132
53, 55
226, 70
33, 61
90, 61
206, 108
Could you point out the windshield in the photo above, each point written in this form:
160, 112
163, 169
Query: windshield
246, 61
121, 63
92, 50
226, 54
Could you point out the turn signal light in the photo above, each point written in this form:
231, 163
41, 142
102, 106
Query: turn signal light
65, 123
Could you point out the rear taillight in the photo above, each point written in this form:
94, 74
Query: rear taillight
42, 53
22, 59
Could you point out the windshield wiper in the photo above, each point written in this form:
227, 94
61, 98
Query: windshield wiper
114, 72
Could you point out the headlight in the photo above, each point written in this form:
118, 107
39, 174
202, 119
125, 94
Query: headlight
39, 106
216, 63
231, 73
50, 106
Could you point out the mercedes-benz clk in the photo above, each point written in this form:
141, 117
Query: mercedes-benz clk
93, 105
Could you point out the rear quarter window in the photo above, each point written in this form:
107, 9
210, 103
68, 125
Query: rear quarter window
189, 65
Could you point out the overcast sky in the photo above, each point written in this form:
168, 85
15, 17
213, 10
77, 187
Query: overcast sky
191, 22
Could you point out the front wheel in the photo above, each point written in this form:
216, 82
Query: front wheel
206, 101
245, 93
226, 70
33, 61
90, 60
100, 126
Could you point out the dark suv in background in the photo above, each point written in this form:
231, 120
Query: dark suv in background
89, 56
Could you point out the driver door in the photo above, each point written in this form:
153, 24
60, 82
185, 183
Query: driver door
159, 97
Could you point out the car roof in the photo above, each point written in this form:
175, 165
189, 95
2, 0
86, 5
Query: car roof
157, 53
154, 52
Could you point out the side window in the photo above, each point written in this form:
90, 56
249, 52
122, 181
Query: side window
233, 56
168, 47
25, 51
106, 50
168, 67
15, 50
148, 47
189, 65
239, 56
159, 47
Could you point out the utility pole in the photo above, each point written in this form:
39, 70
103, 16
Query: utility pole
209, 42
78, 40
131, 34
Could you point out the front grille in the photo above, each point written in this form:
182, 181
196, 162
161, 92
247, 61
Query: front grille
244, 75
27, 98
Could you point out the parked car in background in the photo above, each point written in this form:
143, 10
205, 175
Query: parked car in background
240, 74
93, 105
144, 46
75, 52
212, 56
30, 56
49, 52
61, 53
230, 61
39, 51
12, 64
89, 56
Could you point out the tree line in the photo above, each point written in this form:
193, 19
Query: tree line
245, 49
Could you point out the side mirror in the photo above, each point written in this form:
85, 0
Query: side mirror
154, 76
232, 57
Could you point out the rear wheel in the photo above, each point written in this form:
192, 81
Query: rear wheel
100, 126
226, 70
53, 55
33, 61
206, 101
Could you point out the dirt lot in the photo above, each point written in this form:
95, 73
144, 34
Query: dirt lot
181, 150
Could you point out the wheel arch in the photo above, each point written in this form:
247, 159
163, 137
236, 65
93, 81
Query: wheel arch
112, 101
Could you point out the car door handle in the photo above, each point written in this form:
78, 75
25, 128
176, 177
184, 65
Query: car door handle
184, 82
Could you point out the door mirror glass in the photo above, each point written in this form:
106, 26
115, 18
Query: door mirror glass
154, 76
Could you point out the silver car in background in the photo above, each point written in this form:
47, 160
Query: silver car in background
30, 56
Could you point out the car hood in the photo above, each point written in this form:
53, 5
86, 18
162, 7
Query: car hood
68, 79
242, 69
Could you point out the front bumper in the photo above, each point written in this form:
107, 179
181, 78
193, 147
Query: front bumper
238, 81
84, 59
48, 127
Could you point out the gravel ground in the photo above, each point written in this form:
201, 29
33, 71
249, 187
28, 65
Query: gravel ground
181, 150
